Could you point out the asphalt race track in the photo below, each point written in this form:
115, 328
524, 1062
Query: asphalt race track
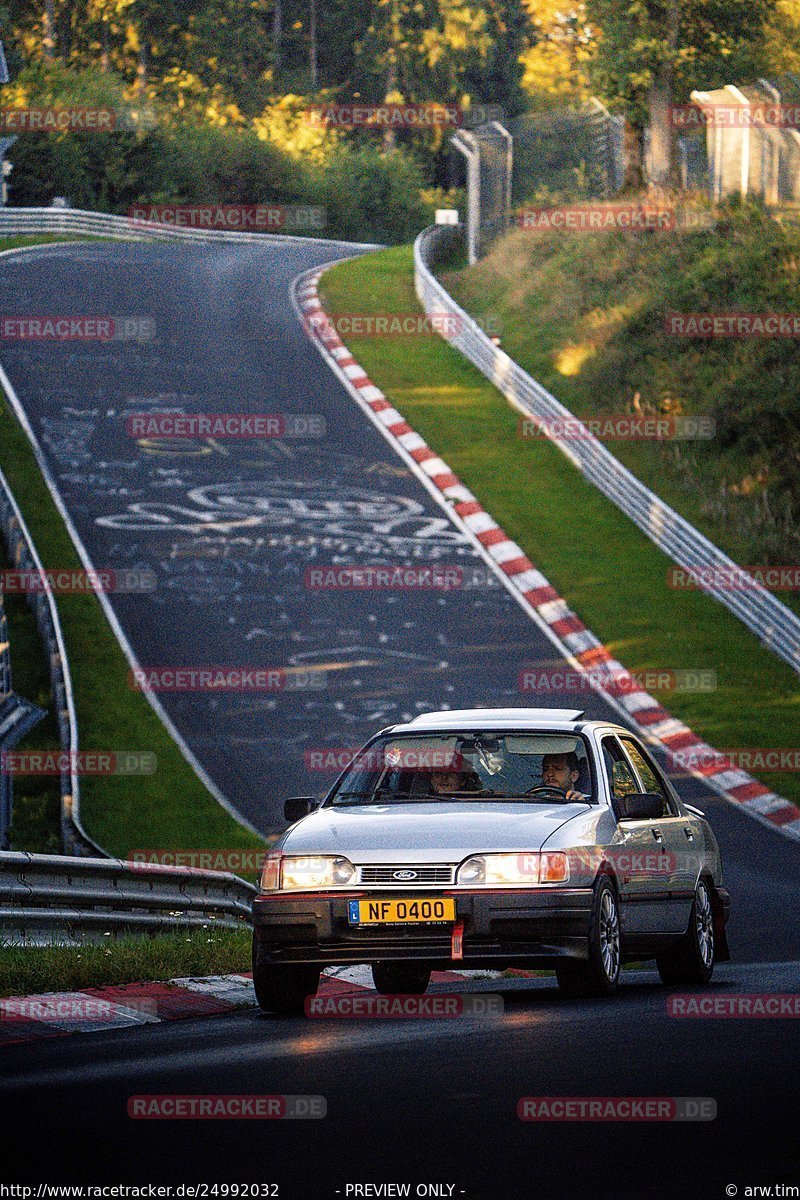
229, 531
425, 1101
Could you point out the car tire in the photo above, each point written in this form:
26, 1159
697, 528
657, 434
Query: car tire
598, 974
400, 978
283, 989
691, 960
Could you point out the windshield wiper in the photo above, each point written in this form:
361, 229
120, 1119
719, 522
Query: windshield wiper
350, 799
454, 796
359, 797
374, 797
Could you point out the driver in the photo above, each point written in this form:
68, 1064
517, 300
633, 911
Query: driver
562, 771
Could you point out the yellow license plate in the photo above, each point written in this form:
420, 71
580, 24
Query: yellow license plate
402, 912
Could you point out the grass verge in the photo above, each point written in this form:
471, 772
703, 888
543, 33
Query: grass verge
28, 970
169, 809
610, 573
45, 239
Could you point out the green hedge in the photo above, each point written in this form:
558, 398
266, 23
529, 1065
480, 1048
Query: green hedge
369, 194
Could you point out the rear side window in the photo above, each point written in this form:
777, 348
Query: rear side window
647, 773
619, 773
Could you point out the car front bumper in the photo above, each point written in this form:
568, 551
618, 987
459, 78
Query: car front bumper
499, 926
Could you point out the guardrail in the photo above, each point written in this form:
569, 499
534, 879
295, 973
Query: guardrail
762, 613
49, 899
18, 717
23, 556
18, 222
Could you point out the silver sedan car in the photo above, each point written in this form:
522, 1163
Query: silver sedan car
491, 838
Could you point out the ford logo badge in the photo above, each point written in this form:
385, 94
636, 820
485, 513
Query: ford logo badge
404, 875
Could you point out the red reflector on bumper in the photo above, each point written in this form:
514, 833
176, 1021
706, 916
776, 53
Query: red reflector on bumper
457, 941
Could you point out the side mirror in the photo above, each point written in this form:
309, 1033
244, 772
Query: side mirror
639, 806
299, 806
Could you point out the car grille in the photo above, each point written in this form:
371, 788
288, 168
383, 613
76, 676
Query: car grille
438, 874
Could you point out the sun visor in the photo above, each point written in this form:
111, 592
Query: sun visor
541, 744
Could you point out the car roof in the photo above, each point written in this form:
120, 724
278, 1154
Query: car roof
567, 719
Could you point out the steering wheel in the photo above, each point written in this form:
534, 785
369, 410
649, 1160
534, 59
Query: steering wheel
560, 792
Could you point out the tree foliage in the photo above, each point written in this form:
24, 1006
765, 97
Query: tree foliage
188, 50
650, 54
556, 66
703, 43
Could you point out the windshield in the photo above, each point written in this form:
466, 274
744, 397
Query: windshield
537, 767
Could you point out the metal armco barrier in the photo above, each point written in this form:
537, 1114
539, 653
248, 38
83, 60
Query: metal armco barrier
19, 222
49, 899
23, 556
762, 613
17, 717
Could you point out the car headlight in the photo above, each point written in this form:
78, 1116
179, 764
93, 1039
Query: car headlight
519, 869
300, 872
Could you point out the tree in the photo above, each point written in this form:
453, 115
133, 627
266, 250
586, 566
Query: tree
783, 37
443, 50
106, 17
556, 67
49, 30
650, 54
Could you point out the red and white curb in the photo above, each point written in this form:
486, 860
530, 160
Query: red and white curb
575, 642
92, 1010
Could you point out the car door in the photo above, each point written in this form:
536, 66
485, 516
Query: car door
637, 851
680, 839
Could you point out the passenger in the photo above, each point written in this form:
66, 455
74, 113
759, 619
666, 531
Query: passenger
448, 782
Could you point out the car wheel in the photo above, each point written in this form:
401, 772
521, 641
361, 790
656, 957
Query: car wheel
283, 989
691, 960
400, 978
597, 975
